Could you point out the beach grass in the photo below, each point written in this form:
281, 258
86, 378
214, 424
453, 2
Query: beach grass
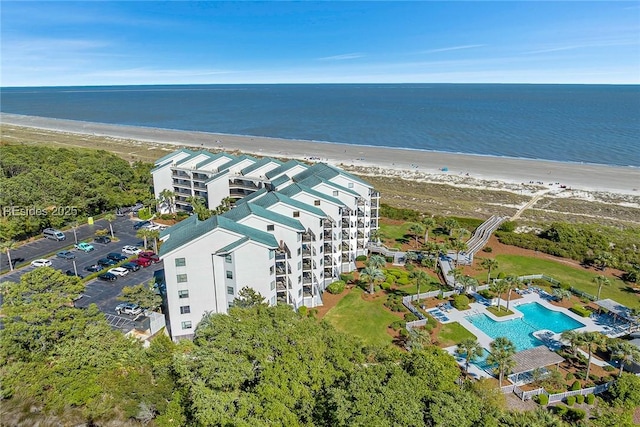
568, 275
452, 334
367, 320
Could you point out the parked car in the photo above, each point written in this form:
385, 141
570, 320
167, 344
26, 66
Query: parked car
102, 239
72, 273
138, 225
106, 262
93, 268
131, 250
109, 277
149, 255
143, 262
83, 246
128, 308
41, 263
119, 271
116, 257
66, 255
131, 266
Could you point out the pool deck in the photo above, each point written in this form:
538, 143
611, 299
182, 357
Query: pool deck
599, 323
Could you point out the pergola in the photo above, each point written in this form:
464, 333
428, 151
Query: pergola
534, 358
617, 309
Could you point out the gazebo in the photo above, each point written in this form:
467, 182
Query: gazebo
533, 358
617, 309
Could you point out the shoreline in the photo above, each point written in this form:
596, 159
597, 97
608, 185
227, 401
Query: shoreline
515, 171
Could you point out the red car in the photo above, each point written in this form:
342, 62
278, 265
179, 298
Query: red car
142, 262
149, 255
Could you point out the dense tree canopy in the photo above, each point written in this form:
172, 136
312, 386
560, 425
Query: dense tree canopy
59, 185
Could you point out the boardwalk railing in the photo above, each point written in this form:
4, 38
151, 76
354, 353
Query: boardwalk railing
482, 234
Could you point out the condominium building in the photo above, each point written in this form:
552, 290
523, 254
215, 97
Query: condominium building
293, 229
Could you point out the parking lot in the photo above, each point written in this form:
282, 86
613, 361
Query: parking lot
102, 293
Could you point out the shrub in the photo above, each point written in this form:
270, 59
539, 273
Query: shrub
580, 398
313, 313
486, 293
461, 302
389, 259
508, 226
609, 368
361, 258
410, 317
336, 287
543, 399
580, 310
501, 275
591, 398
574, 415
560, 410
580, 375
487, 249
570, 376
575, 386
398, 325
594, 377
571, 400
303, 311
394, 303
403, 281
347, 277
386, 286
144, 213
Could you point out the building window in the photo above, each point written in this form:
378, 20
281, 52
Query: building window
299, 236
187, 324
273, 300
299, 265
273, 284
180, 262
272, 254
227, 258
185, 309
230, 290
229, 274
299, 279
350, 185
181, 278
183, 294
299, 293
271, 270
335, 192
316, 202
270, 227
299, 251
296, 214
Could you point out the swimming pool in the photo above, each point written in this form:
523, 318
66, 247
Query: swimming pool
520, 331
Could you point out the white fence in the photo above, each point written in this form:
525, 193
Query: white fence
591, 390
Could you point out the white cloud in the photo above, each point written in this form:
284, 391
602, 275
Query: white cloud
342, 57
447, 49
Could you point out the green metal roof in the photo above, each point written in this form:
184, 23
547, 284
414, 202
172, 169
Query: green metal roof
231, 246
237, 160
280, 180
157, 168
192, 228
274, 197
196, 154
170, 155
294, 189
252, 196
284, 168
247, 209
214, 158
325, 171
262, 162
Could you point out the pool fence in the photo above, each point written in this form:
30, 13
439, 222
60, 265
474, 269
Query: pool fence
556, 397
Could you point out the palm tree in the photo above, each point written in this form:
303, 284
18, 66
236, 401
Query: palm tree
411, 256
199, 207
420, 277
604, 260
624, 352
450, 224
109, 217
561, 294
144, 233
461, 233
471, 350
428, 223
511, 282
7, 246
601, 281
468, 282
501, 354
574, 339
498, 287
593, 341
458, 246
415, 229
489, 264
371, 275
376, 261
155, 235
376, 235
168, 198
456, 273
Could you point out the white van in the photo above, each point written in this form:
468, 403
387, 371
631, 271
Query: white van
53, 234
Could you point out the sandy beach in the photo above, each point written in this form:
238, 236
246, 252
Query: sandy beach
439, 166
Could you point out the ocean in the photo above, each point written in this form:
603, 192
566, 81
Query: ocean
597, 124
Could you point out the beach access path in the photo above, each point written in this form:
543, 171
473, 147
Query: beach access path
589, 177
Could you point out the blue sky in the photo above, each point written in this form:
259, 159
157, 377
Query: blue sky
112, 43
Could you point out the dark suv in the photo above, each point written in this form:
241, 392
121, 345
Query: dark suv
116, 257
102, 239
138, 225
106, 262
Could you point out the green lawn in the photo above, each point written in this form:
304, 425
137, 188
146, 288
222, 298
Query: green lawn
452, 334
503, 311
364, 319
396, 233
580, 279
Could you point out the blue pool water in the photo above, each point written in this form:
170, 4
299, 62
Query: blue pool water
520, 331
